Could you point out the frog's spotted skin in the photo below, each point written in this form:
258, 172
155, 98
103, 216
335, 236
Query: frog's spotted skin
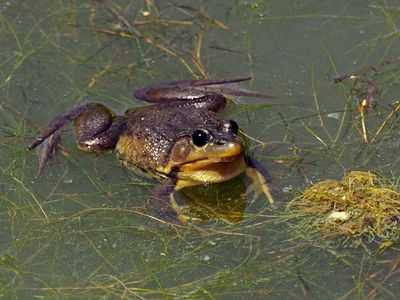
181, 140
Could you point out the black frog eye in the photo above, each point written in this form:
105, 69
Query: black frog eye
200, 137
233, 126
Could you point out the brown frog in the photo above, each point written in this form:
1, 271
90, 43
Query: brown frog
181, 140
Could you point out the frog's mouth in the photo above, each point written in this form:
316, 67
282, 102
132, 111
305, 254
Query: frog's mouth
212, 154
220, 163
204, 162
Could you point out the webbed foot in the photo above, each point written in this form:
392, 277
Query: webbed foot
260, 177
162, 198
194, 89
49, 139
47, 150
94, 127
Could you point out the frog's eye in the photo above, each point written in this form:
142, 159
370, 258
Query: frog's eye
233, 126
200, 137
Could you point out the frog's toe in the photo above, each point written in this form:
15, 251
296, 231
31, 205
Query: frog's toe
162, 199
260, 177
47, 150
57, 124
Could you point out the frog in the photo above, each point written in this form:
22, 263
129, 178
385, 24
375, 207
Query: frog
181, 140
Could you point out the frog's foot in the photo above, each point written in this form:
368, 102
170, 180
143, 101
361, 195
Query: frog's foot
94, 129
162, 198
194, 89
260, 178
57, 124
47, 150
222, 87
47, 142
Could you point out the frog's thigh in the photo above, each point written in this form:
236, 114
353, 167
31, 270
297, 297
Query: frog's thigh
95, 130
213, 102
260, 182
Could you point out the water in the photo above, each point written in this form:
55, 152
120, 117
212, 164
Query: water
83, 231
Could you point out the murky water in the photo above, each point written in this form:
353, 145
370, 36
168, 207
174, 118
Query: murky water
83, 230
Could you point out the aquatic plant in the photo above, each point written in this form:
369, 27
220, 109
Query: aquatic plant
361, 204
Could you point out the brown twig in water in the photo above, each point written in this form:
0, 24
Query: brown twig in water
365, 69
365, 96
105, 31
392, 112
368, 100
196, 56
362, 106
202, 15
129, 27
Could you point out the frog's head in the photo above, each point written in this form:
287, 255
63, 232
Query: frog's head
208, 150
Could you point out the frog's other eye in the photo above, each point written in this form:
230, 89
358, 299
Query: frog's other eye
200, 137
233, 126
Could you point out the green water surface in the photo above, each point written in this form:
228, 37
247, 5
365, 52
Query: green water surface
84, 231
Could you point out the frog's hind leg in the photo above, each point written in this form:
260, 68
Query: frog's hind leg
57, 124
93, 122
212, 102
46, 151
97, 129
48, 140
188, 90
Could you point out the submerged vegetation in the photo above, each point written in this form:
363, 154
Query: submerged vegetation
85, 230
361, 204
365, 89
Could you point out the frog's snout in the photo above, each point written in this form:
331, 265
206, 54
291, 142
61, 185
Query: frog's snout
232, 149
225, 151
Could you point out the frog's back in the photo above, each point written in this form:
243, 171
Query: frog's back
152, 132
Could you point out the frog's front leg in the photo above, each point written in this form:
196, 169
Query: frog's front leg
163, 199
260, 177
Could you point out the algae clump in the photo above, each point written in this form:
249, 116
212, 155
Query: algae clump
361, 204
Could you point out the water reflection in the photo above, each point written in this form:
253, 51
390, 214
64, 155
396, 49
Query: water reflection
225, 201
